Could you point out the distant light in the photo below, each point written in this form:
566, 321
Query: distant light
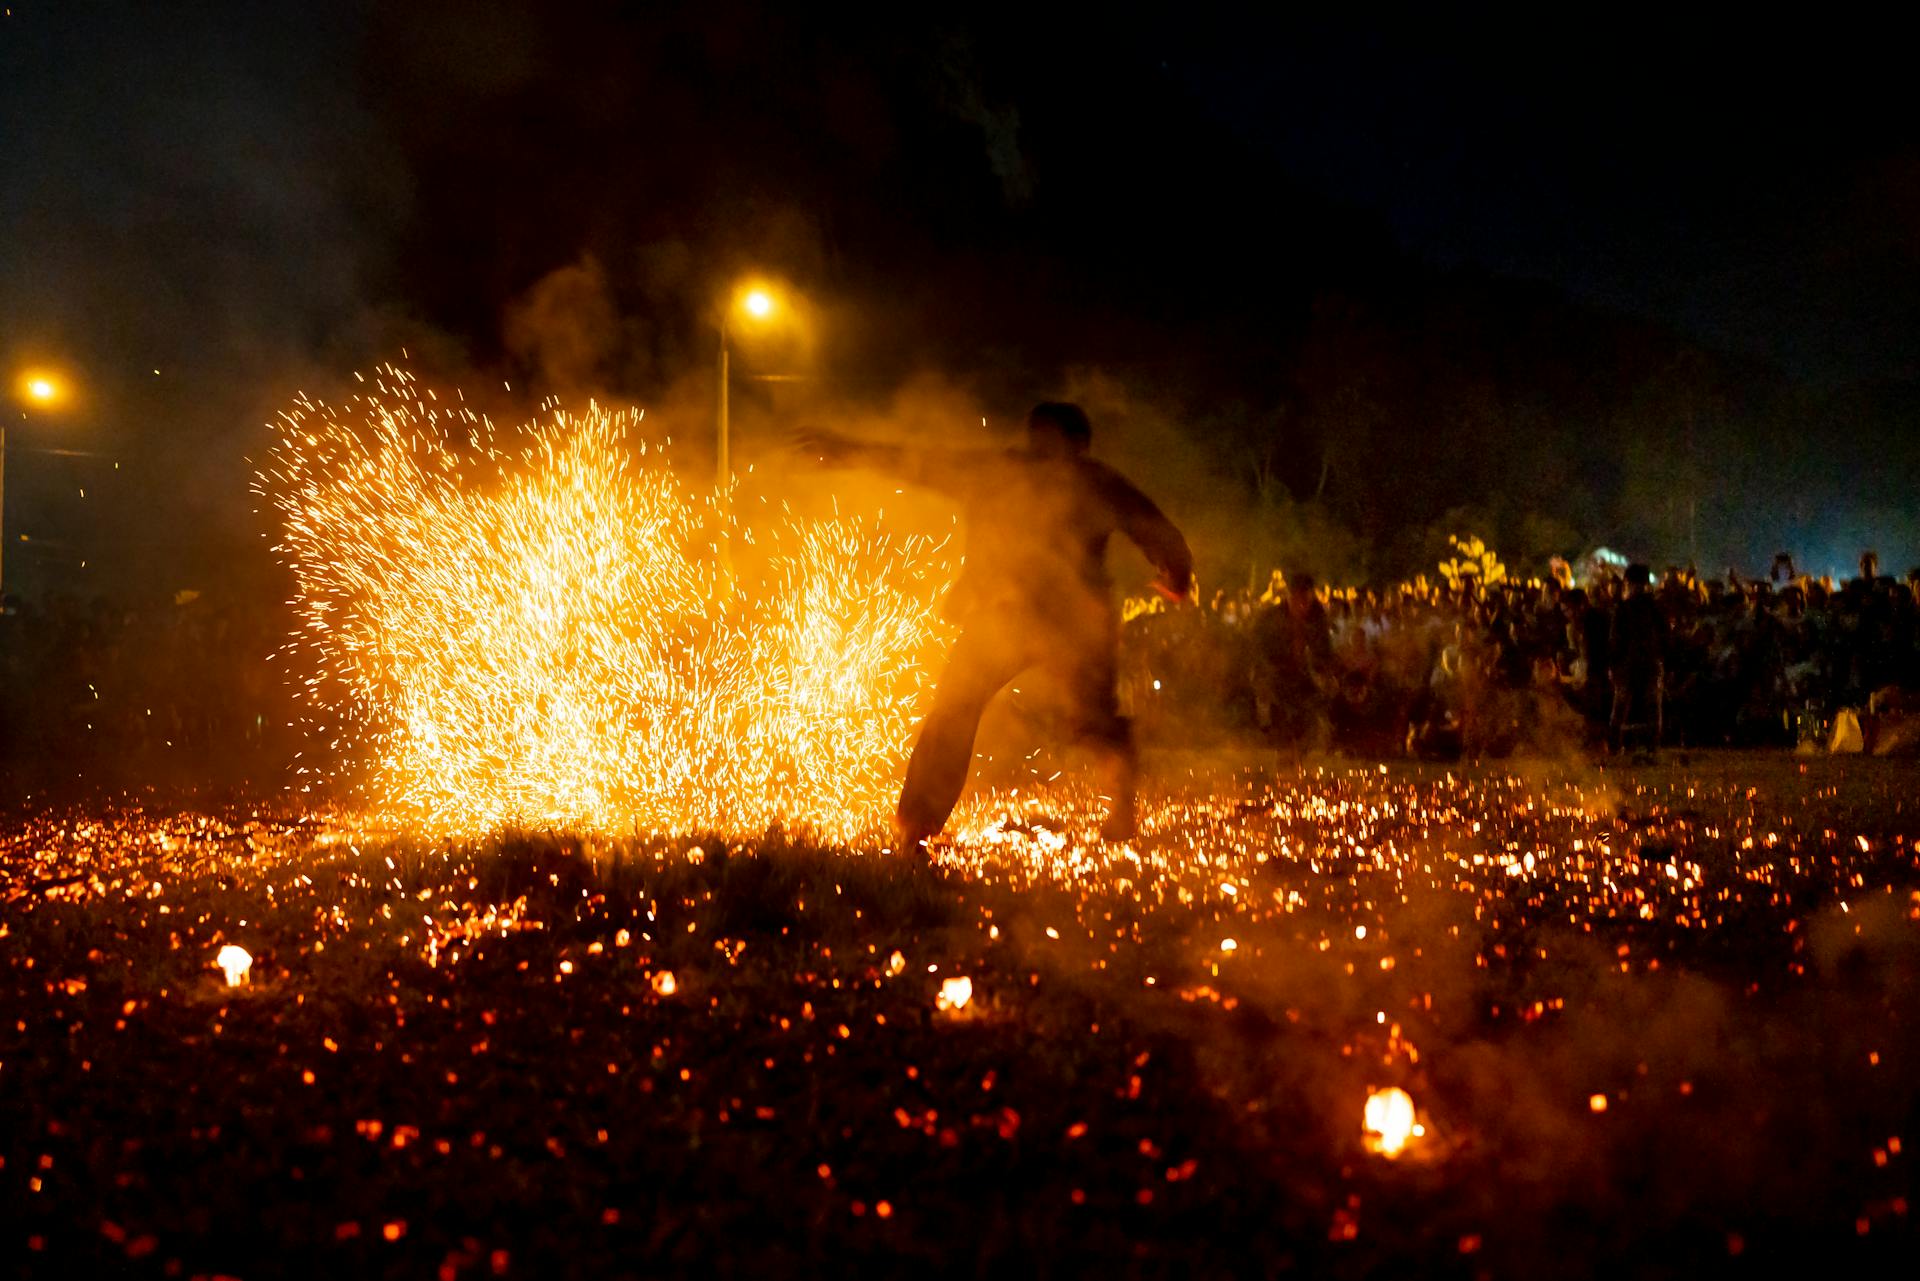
42, 386
759, 303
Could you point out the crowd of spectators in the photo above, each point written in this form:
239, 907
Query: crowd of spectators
1484, 665
1481, 665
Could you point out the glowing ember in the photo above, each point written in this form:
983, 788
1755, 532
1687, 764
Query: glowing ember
1389, 1121
664, 984
237, 963
531, 627
955, 993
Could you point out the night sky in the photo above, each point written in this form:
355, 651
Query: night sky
255, 198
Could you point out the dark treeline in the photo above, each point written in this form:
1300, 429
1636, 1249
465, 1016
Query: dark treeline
1010, 206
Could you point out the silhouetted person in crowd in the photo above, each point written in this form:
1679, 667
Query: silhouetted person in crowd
1637, 648
1034, 593
1592, 633
1294, 658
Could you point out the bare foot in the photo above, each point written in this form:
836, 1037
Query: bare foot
915, 844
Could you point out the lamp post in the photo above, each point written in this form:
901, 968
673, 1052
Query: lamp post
756, 304
42, 390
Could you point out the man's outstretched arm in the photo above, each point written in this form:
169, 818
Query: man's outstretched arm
1142, 521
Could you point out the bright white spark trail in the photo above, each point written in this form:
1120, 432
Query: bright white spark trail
532, 627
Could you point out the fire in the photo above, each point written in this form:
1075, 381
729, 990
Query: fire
955, 993
664, 983
236, 961
1389, 1121
532, 627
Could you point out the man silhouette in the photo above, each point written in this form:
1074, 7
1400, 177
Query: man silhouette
1637, 647
1034, 593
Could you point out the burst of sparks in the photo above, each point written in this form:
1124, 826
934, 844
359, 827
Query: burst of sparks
535, 627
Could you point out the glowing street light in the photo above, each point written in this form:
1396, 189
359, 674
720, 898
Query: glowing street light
40, 389
755, 303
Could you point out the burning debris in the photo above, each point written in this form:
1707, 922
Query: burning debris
1388, 1121
1525, 962
236, 963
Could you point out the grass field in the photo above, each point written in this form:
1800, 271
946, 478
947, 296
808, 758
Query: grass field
1656, 1021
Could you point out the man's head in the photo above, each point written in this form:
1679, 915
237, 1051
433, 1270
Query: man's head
1057, 429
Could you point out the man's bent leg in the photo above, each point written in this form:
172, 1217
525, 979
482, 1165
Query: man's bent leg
985, 657
1119, 781
1099, 724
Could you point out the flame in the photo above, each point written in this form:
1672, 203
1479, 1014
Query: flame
1389, 1121
532, 627
955, 993
664, 984
236, 961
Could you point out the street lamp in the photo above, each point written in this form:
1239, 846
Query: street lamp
40, 390
754, 303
